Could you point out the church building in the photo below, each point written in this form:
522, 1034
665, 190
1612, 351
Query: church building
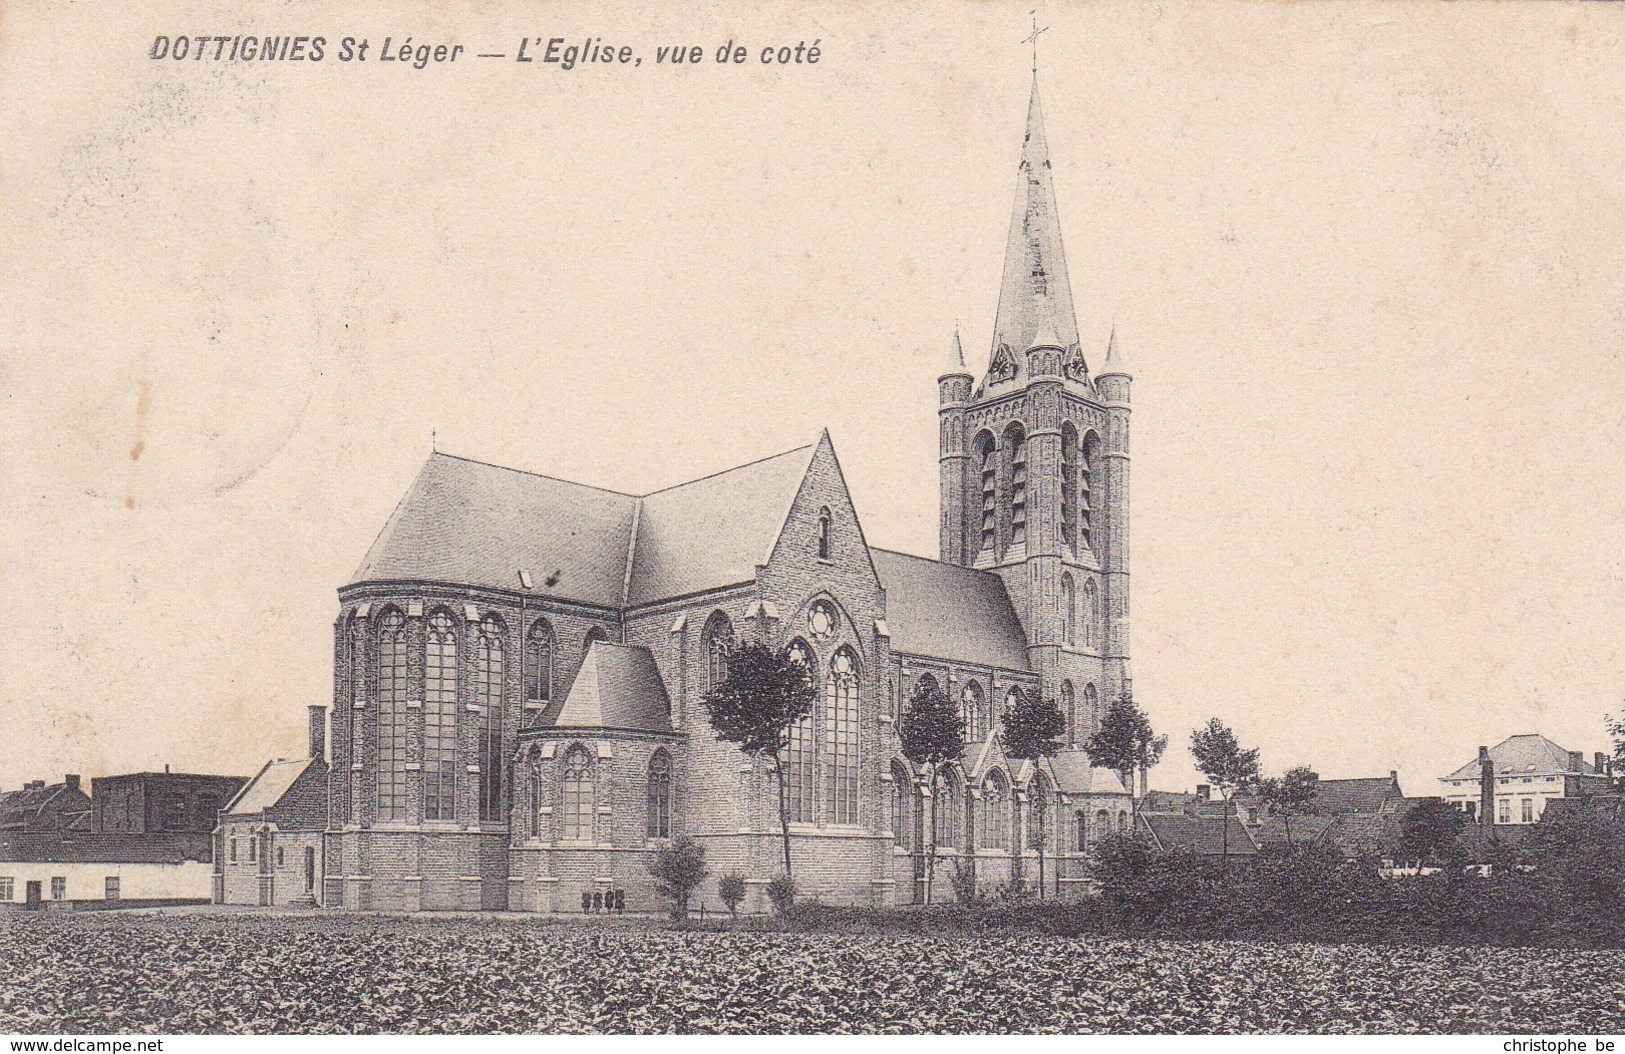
520, 662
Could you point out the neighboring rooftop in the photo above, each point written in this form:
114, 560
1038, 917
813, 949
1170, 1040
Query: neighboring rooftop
1527, 754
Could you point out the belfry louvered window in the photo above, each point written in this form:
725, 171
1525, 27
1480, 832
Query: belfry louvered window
1018, 492
1069, 486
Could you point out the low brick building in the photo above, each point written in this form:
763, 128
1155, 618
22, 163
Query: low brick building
268, 846
150, 802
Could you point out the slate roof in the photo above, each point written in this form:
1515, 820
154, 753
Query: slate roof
1075, 774
1365, 795
21, 809
618, 687
476, 524
713, 531
1523, 754
266, 790
1306, 830
944, 611
1204, 835
170, 847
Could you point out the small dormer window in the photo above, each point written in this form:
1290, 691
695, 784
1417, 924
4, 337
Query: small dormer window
823, 534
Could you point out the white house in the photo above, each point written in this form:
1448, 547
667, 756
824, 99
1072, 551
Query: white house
1528, 771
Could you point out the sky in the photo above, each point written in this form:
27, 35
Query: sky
1363, 261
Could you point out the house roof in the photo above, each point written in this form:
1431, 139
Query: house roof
1366, 794
267, 789
713, 531
476, 524
1305, 830
619, 686
19, 808
1524, 754
1204, 835
170, 847
945, 611
1075, 774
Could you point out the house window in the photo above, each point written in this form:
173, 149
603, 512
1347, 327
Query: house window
995, 821
1503, 812
391, 716
660, 795
575, 797
59, 887
110, 888
1528, 810
823, 534
718, 641
539, 662
841, 739
902, 784
801, 756
6, 891
489, 671
440, 719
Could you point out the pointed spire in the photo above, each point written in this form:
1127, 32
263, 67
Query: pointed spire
956, 355
1114, 359
1035, 293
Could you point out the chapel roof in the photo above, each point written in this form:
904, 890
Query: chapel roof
267, 789
619, 687
945, 611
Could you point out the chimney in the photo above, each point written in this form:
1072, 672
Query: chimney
1577, 761
1602, 764
1204, 792
318, 731
1486, 788
166, 768
71, 781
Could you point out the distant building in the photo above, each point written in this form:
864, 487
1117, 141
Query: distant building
268, 847
149, 802
1521, 775
141, 838
41, 807
1204, 834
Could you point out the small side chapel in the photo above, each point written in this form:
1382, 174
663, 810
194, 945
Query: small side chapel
519, 661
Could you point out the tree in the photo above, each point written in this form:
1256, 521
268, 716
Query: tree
1125, 742
731, 888
1290, 794
1228, 768
1031, 728
761, 697
1616, 730
1429, 831
929, 732
678, 868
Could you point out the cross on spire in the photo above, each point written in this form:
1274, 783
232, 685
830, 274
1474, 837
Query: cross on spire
1033, 39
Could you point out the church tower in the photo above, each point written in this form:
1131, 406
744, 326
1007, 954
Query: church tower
1034, 462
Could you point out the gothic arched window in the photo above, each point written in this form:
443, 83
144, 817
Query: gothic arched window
945, 810
1086, 483
1091, 705
1015, 440
440, 718
823, 533
1069, 486
841, 739
902, 793
1082, 820
1038, 813
358, 702
576, 797
718, 639
659, 816
1091, 614
489, 672
801, 757
539, 662
995, 818
1069, 710
1069, 595
1103, 823
973, 708
593, 635
988, 465
535, 792
392, 716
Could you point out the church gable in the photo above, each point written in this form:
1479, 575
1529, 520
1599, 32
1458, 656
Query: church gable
819, 533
